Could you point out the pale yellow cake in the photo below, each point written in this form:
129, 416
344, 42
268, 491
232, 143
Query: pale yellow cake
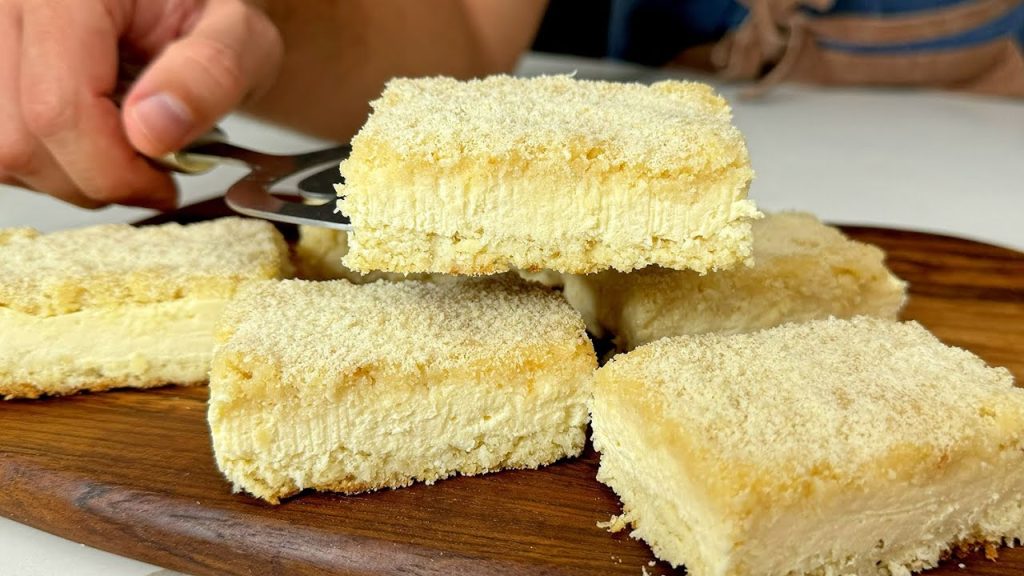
802, 270
344, 387
551, 172
319, 252
318, 255
844, 447
113, 306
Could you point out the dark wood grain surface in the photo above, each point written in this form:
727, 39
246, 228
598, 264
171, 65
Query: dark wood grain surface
132, 472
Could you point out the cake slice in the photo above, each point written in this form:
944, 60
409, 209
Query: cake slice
113, 306
551, 172
802, 270
858, 446
343, 387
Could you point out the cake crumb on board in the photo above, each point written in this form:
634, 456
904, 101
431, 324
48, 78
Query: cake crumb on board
615, 524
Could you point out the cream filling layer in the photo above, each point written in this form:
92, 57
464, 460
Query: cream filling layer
388, 430
171, 341
894, 526
470, 231
549, 204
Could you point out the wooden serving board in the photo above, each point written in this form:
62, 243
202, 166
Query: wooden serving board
132, 472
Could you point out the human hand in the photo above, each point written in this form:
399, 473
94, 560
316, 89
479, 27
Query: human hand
61, 132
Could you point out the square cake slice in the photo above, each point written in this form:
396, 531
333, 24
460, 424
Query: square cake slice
841, 447
114, 306
487, 175
802, 270
341, 387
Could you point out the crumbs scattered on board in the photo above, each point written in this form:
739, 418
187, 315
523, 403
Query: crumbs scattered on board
615, 523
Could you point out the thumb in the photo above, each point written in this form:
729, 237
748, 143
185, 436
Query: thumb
232, 53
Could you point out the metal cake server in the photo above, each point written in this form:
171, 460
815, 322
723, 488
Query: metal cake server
252, 195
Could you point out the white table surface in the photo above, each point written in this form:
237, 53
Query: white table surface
929, 161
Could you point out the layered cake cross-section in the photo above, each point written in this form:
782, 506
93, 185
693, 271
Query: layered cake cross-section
115, 305
577, 176
858, 446
342, 387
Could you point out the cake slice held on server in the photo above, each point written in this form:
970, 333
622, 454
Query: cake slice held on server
576, 176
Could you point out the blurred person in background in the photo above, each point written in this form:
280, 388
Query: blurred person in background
313, 65
974, 45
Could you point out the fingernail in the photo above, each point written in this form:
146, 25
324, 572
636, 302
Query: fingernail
165, 119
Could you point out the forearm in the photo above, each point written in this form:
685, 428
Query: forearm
339, 53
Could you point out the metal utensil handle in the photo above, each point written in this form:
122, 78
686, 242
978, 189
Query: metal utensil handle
186, 161
251, 195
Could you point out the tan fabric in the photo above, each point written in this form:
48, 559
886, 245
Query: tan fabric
780, 42
912, 28
993, 68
